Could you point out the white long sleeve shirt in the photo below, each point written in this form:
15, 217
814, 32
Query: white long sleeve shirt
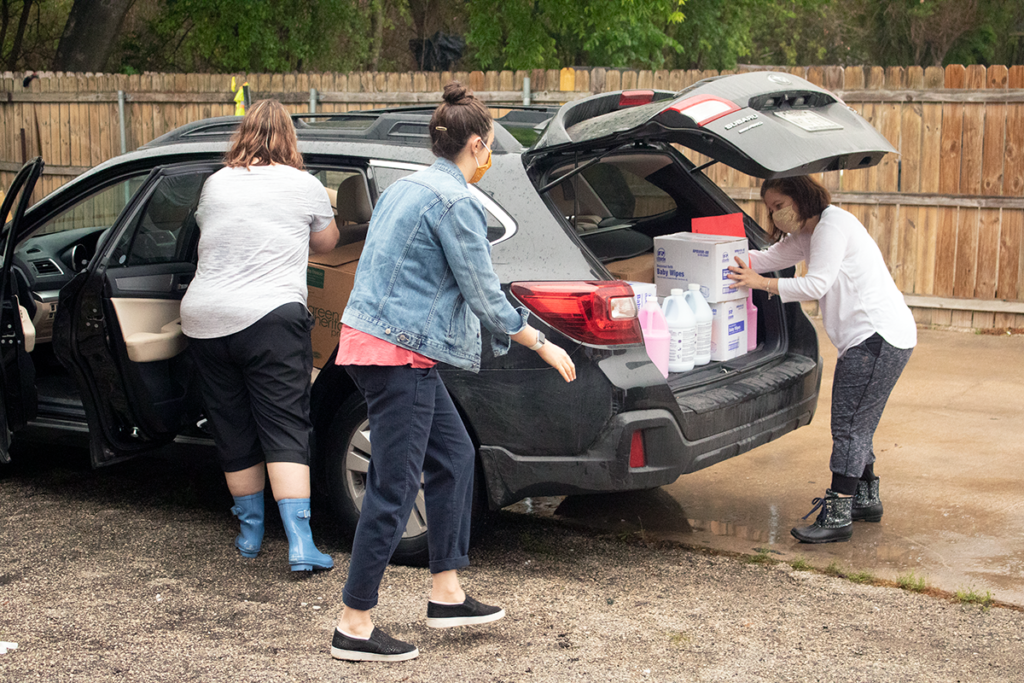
846, 274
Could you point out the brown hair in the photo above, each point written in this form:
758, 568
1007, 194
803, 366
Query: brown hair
809, 197
266, 135
455, 120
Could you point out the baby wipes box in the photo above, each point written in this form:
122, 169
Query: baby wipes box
644, 292
728, 329
683, 257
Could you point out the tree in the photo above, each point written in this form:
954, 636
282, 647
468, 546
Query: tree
89, 34
529, 34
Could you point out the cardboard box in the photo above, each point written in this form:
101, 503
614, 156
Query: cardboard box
728, 329
644, 292
683, 258
637, 269
329, 281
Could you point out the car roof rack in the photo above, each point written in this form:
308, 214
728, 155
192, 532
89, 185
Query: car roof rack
517, 128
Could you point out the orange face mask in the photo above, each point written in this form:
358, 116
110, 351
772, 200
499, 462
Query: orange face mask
481, 168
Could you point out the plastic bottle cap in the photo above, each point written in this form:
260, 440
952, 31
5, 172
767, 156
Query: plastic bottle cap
678, 292
694, 286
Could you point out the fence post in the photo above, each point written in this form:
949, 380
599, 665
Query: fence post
312, 100
526, 91
120, 117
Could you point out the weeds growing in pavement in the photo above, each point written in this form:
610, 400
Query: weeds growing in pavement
833, 569
971, 597
678, 638
911, 582
861, 577
761, 558
801, 565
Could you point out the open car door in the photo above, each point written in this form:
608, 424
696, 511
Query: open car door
118, 326
17, 374
765, 124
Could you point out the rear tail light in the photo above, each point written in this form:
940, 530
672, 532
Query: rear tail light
634, 98
637, 456
704, 109
599, 312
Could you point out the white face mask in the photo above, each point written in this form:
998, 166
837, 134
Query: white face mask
787, 221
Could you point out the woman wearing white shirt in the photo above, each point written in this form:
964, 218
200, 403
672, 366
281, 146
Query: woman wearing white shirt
864, 315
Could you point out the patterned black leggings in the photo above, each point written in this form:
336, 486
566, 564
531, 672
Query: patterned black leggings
864, 378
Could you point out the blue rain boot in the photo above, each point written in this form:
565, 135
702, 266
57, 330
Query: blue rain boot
249, 510
302, 553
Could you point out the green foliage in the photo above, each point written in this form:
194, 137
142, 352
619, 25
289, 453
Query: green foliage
800, 564
249, 35
971, 597
802, 32
911, 582
861, 577
716, 33
532, 34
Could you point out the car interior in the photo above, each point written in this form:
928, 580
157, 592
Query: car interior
618, 205
147, 273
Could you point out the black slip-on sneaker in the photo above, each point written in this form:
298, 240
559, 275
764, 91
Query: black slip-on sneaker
379, 648
469, 613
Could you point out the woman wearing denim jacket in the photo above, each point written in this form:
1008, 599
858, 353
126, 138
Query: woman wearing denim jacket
424, 285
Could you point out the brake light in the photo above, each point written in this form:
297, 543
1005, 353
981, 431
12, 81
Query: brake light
637, 456
599, 312
704, 109
634, 98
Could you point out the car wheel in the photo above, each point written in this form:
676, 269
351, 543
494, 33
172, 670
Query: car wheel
347, 459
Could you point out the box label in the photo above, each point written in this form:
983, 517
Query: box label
314, 277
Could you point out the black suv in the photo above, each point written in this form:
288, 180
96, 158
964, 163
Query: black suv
94, 274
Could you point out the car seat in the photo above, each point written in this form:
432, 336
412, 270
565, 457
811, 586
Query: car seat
354, 210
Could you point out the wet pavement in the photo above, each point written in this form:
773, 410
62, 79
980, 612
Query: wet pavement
949, 455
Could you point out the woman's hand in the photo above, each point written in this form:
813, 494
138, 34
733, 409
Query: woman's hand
745, 276
556, 357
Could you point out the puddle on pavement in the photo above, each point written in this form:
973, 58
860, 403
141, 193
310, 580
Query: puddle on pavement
949, 561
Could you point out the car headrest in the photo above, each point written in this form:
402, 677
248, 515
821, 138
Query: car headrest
353, 201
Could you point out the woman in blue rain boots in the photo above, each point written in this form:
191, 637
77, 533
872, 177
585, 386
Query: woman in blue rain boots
248, 326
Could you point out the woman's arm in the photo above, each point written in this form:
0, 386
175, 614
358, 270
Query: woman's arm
463, 236
325, 240
828, 246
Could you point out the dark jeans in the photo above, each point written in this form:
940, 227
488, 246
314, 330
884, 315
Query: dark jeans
414, 430
255, 386
864, 378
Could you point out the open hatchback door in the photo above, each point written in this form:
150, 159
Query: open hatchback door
765, 124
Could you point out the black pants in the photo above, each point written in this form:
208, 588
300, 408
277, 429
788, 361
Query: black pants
255, 385
415, 430
864, 378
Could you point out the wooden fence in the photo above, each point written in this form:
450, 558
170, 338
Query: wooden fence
948, 212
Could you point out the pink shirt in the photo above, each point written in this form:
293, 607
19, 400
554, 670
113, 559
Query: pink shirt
359, 348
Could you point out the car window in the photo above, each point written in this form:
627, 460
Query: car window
165, 230
624, 189
97, 210
497, 230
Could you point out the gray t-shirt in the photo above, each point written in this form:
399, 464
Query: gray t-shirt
254, 228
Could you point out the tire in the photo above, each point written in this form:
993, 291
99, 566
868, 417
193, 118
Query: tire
346, 458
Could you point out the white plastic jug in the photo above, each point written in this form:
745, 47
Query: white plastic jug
702, 312
655, 330
682, 332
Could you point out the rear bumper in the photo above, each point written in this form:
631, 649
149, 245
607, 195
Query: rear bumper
705, 427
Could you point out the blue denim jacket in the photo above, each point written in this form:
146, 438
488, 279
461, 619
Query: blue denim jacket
425, 280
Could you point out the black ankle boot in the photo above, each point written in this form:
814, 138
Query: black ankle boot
833, 523
867, 506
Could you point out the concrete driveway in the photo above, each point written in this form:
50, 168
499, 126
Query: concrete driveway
950, 459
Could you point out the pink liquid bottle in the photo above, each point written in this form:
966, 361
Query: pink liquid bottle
655, 329
751, 322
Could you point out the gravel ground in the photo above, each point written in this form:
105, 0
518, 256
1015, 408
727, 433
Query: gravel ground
129, 574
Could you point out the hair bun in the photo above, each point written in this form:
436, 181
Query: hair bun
456, 93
